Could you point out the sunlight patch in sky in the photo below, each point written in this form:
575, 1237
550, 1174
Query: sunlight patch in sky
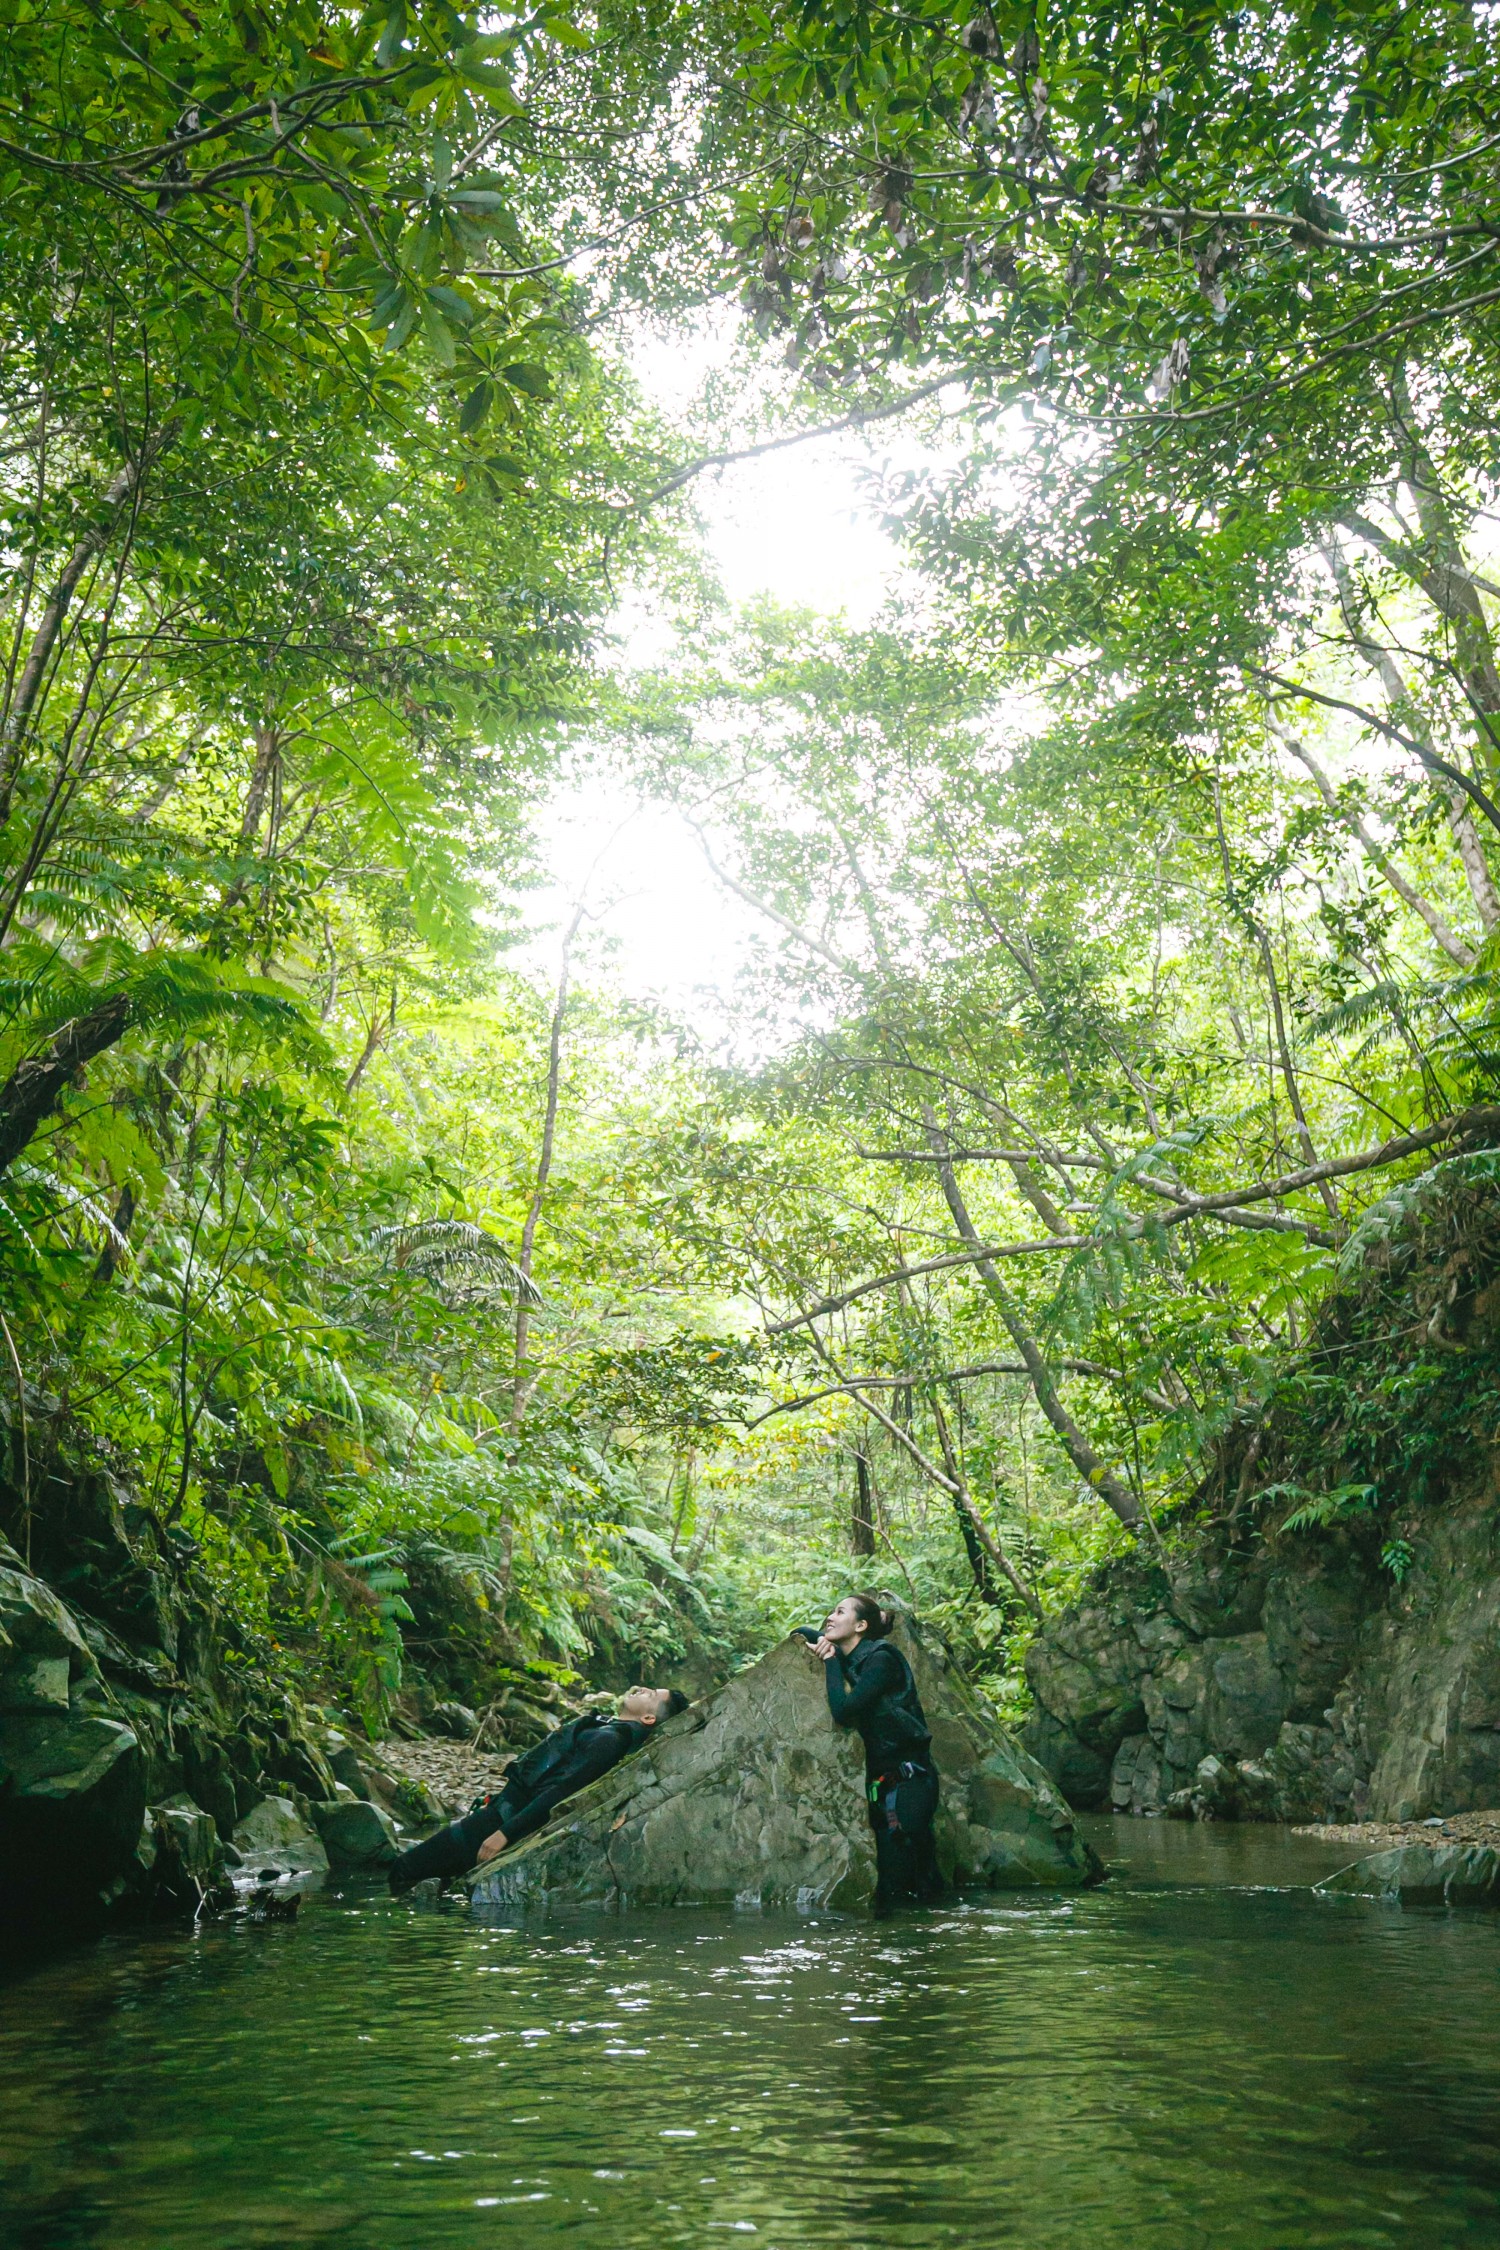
797, 525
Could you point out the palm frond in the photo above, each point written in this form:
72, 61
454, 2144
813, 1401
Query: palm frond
454, 1249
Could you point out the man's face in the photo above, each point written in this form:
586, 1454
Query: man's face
643, 1704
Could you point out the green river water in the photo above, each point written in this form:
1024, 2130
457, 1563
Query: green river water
1199, 2053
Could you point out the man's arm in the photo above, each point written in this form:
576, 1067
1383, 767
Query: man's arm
602, 1748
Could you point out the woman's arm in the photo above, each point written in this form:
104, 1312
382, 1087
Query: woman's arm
848, 1701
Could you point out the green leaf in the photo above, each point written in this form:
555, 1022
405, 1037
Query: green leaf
525, 376
453, 305
482, 200
321, 199
439, 335
386, 306
476, 406
393, 37
493, 85
403, 327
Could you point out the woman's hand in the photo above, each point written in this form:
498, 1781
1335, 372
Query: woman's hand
493, 1846
824, 1647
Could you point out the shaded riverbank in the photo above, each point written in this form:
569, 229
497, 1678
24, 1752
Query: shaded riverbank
1200, 2053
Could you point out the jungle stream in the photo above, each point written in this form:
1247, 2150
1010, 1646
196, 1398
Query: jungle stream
1203, 2052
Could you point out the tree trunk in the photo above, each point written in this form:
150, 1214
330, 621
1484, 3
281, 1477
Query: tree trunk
1403, 708
1449, 583
544, 1163
121, 488
862, 1520
1476, 866
35, 1087
1451, 943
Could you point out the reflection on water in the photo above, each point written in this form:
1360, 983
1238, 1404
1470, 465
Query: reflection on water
1190, 2056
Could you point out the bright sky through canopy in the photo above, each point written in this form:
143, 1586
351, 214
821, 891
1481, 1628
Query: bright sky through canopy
796, 525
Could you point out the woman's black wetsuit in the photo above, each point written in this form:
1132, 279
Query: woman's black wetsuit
872, 1689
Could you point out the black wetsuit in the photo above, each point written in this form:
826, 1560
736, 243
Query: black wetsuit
566, 1761
872, 1689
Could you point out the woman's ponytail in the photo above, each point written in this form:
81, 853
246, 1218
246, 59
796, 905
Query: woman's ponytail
877, 1621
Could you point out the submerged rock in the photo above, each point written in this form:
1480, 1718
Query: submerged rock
1418, 1875
754, 1797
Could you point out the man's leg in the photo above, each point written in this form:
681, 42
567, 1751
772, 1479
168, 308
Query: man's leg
452, 1851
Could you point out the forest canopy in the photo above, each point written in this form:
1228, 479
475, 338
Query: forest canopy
1126, 887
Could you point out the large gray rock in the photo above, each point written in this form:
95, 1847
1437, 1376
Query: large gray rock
1002, 1823
273, 1836
180, 1864
72, 1779
42, 1651
73, 1784
754, 1797
1418, 1875
355, 1832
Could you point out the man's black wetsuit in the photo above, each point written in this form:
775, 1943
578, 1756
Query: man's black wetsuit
568, 1760
872, 1689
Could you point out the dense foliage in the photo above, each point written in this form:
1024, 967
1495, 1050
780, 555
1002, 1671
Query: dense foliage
1128, 888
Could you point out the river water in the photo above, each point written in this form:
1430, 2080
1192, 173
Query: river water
1199, 2053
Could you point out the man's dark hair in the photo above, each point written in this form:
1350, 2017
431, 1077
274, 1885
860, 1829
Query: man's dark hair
673, 1701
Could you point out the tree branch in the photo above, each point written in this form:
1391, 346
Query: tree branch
1096, 1474
1447, 938
36, 1086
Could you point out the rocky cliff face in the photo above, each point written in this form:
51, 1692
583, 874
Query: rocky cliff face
132, 1747
754, 1797
1289, 1678
1320, 1639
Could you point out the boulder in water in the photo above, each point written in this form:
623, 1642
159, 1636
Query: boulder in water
274, 1837
1424, 1875
356, 1832
72, 1778
754, 1797
180, 1858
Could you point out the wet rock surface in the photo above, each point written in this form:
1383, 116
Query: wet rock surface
1292, 1679
1419, 1875
356, 1832
131, 1751
275, 1835
72, 1773
753, 1796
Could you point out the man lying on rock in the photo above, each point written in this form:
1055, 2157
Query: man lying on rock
564, 1762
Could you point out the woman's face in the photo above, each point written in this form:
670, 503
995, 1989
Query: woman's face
843, 1622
